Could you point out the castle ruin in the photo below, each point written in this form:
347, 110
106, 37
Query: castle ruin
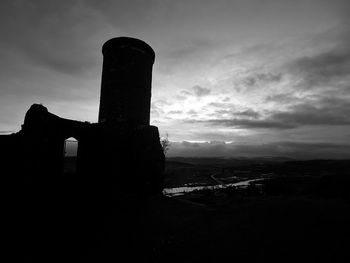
122, 149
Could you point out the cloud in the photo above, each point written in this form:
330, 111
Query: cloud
192, 113
156, 109
247, 113
175, 112
297, 150
326, 68
196, 91
320, 110
324, 111
261, 79
245, 123
325, 114
221, 105
253, 78
322, 69
200, 91
161, 103
284, 98
186, 93
179, 97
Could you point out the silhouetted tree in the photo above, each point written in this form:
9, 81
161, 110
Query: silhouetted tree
164, 141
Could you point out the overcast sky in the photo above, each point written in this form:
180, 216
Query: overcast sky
231, 78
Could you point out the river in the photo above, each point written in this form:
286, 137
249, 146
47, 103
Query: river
187, 189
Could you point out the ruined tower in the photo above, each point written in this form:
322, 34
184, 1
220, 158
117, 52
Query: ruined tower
128, 151
122, 152
126, 81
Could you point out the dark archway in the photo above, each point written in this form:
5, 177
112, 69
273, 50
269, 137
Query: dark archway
70, 153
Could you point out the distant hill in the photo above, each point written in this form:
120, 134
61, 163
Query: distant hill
227, 162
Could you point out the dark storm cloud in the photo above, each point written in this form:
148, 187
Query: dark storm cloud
322, 69
325, 68
298, 150
325, 111
245, 123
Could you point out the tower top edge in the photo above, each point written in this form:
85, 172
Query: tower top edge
128, 42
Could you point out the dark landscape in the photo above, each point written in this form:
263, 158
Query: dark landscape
298, 213
301, 214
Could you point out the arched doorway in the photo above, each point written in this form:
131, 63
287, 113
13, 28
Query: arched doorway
70, 151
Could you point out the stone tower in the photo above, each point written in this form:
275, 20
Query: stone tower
126, 81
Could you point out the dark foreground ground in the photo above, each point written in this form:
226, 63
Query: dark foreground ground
302, 214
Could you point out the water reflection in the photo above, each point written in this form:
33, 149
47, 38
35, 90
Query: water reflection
187, 189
